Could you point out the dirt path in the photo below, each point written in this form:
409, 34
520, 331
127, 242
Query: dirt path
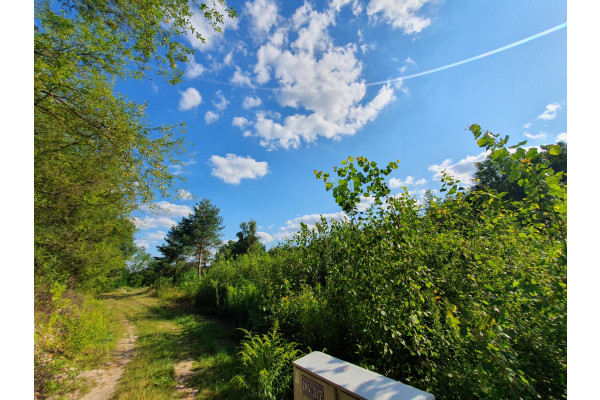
105, 380
183, 373
168, 352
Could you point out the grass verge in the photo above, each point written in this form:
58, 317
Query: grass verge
73, 332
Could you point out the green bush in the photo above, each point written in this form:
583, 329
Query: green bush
72, 332
136, 280
188, 281
306, 317
266, 371
242, 302
464, 297
164, 287
92, 331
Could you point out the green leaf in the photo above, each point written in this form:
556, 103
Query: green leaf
483, 141
524, 142
476, 130
451, 319
555, 150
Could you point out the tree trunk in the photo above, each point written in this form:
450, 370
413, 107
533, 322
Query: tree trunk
200, 248
199, 262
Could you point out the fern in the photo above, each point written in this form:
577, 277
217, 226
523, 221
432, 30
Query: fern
266, 370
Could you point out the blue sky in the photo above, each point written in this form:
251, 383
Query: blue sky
290, 87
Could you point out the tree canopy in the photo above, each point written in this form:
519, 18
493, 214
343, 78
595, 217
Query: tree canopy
96, 155
195, 235
248, 241
495, 174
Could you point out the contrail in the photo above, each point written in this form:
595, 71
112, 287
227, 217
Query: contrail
489, 53
431, 71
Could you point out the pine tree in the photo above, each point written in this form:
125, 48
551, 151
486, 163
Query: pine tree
195, 234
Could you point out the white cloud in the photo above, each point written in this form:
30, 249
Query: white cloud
400, 13
184, 194
464, 170
178, 169
527, 125
292, 226
539, 135
309, 127
233, 168
164, 208
150, 223
396, 183
317, 78
189, 99
240, 122
365, 202
142, 243
221, 105
240, 78
264, 237
364, 47
211, 117
158, 235
338, 4
251, 102
193, 69
228, 60
264, 15
203, 26
410, 61
420, 194
278, 37
562, 137
550, 112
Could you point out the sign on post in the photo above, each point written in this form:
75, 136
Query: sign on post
318, 376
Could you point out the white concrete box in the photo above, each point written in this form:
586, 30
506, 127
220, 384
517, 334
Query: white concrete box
318, 376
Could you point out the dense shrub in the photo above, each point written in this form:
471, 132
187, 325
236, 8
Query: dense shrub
72, 331
163, 287
464, 297
188, 281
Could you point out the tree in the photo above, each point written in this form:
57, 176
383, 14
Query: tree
195, 234
96, 155
248, 241
495, 173
139, 260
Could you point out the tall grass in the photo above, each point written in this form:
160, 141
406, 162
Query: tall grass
73, 332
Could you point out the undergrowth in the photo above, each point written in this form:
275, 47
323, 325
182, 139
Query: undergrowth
266, 371
73, 332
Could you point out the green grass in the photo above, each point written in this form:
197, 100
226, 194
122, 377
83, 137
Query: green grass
73, 332
169, 333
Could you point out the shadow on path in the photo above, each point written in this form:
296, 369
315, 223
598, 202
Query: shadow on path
205, 360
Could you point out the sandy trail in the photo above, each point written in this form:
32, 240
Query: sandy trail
106, 379
183, 372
